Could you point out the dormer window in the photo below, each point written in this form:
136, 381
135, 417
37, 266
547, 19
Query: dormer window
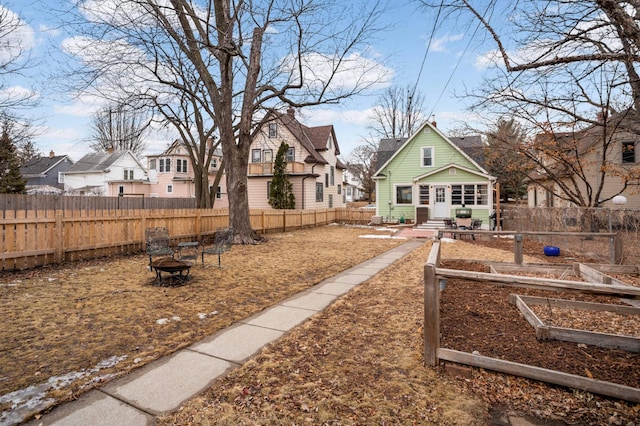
273, 130
628, 152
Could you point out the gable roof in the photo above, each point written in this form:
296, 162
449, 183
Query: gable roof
41, 165
389, 148
312, 139
472, 146
99, 162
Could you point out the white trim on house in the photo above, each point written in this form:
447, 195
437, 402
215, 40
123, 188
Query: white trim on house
415, 135
456, 166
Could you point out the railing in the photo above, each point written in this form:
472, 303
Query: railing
267, 168
40, 237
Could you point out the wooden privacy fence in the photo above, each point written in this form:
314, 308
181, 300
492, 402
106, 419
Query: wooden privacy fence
41, 237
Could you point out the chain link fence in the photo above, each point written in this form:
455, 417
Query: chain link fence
572, 219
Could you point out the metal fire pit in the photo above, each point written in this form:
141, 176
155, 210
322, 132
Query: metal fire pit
176, 268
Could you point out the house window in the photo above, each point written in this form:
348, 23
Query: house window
424, 194
120, 190
219, 193
339, 189
330, 201
470, 194
332, 177
427, 156
152, 164
404, 194
326, 180
169, 189
60, 177
255, 155
482, 194
273, 130
268, 155
128, 174
214, 164
181, 166
165, 165
319, 194
348, 191
628, 152
268, 190
291, 155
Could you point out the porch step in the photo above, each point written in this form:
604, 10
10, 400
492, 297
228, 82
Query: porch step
431, 224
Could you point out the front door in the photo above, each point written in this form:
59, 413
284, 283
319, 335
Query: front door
440, 203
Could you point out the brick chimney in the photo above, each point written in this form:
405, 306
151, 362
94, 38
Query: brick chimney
52, 154
433, 122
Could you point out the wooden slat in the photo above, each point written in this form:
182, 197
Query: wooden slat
599, 387
539, 283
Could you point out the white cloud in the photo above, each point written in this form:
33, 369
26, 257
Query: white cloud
17, 38
440, 44
354, 71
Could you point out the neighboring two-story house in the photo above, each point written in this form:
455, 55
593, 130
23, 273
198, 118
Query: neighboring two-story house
429, 176
620, 163
108, 174
353, 188
45, 175
313, 165
171, 174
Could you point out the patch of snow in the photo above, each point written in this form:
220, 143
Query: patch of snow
162, 321
202, 315
26, 402
386, 237
448, 240
176, 318
52, 279
214, 313
510, 237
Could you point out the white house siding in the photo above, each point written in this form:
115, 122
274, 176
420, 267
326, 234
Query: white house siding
257, 184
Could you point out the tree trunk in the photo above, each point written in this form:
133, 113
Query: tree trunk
239, 217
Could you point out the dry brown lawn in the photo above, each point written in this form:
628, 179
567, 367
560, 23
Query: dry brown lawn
71, 327
359, 362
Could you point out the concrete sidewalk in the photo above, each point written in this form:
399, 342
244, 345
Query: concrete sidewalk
163, 385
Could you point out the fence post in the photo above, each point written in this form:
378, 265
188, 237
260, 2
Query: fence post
431, 307
518, 249
59, 237
617, 249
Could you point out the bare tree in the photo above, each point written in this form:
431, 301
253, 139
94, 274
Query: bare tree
119, 128
362, 164
398, 113
15, 60
246, 57
566, 72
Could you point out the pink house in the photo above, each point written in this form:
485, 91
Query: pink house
171, 175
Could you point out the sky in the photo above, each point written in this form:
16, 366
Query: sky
450, 66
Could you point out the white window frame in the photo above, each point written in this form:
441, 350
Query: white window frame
273, 130
169, 189
395, 194
422, 156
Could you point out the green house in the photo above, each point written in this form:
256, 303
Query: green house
431, 177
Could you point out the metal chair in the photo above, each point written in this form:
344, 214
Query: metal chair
222, 243
450, 224
158, 243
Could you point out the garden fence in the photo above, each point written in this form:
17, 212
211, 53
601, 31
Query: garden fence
30, 238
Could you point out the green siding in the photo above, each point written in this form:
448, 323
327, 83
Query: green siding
406, 166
